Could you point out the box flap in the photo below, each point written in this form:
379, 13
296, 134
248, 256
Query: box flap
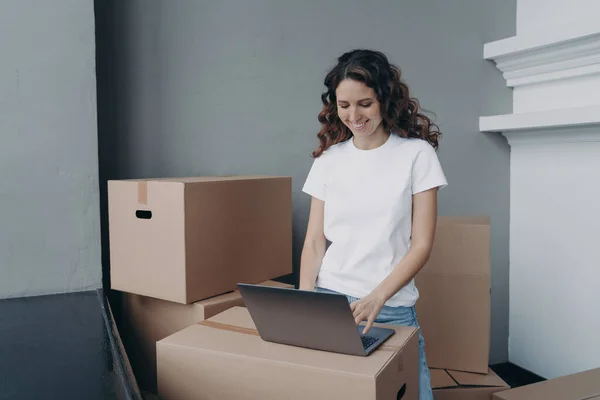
237, 316
195, 179
239, 344
218, 299
580, 386
471, 379
441, 379
464, 220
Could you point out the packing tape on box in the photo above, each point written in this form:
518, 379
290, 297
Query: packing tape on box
228, 327
143, 192
398, 359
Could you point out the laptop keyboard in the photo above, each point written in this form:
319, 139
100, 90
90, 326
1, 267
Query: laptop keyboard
368, 341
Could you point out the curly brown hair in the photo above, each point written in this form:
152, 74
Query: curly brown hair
400, 113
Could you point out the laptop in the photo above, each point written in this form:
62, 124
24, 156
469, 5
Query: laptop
314, 320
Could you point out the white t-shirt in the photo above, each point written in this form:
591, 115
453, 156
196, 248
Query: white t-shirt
368, 211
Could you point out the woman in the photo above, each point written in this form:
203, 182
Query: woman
373, 183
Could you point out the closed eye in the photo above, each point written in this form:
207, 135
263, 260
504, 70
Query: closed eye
362, 105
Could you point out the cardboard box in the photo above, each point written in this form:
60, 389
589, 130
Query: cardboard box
146, 320
228, 360
580, 386
456, 385
189, 239
454, 304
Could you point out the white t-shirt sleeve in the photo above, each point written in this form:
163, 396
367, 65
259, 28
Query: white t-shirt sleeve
427, 171
315, 184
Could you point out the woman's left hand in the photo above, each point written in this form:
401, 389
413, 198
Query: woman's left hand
367, 309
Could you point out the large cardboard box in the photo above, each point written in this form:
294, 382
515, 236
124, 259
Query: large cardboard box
454, 303
456, 385
224, 358
188, 239
146, 320
580, 386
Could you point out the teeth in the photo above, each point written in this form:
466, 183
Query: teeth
357, 126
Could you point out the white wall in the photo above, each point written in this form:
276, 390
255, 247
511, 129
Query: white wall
49, 210
553, 64
576, 92
554, 255
544, 19
547, 15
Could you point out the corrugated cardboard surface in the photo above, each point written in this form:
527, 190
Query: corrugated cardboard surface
145, 320
147, 256
211, 363
454, 303
581, 386
204, 236
244, 233
456, 385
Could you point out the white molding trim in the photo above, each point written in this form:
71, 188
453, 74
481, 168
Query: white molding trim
538, 120
547, 56
567, 125
554, 136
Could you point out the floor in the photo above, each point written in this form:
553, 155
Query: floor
67, 347
60, 347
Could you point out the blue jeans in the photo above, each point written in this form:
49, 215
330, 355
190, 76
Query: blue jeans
406, 316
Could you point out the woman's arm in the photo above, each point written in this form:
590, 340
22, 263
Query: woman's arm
314, 246
423, 232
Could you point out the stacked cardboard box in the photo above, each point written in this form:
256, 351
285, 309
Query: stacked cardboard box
224, 358
148, 320
179, 246
189, 239
454, 314
454, 310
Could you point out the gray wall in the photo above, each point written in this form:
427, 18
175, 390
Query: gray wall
49, 216
202, 88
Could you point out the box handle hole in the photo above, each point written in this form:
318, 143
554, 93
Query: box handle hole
401, 392
143, 214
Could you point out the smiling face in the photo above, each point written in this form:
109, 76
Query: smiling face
359, 109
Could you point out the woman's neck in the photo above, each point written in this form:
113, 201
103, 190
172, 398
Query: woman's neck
377, 139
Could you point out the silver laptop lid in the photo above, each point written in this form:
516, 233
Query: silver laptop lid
315, 320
